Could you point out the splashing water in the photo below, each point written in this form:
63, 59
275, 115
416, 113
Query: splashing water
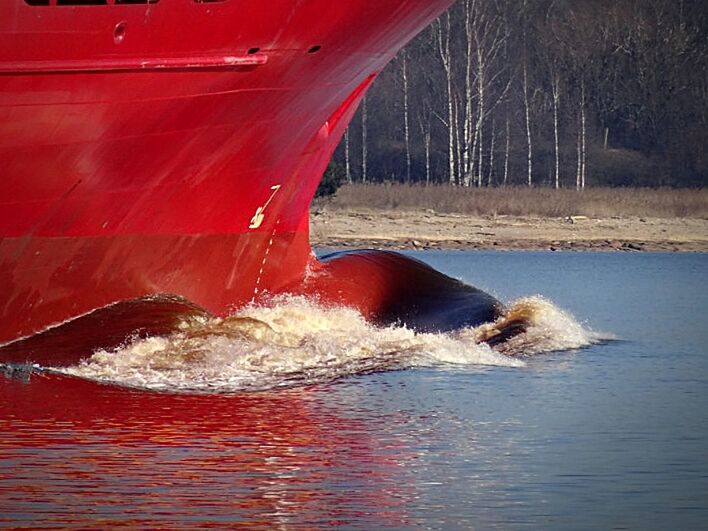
294, 341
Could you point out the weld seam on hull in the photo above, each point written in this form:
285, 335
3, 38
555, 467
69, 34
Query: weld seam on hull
132, 64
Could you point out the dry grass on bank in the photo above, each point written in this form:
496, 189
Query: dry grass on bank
523, 201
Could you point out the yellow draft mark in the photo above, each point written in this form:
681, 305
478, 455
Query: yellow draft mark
256, 288
259, 216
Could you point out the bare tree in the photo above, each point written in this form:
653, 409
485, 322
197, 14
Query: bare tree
525, 91
425, 126
468, 146
490, 174
347, 159
364, 154
555, 89
527, 111
582, 153
406, 128
506, 153
443, 33
486, 35
489, 92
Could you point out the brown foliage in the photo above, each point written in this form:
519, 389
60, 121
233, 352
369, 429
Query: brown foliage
524, 201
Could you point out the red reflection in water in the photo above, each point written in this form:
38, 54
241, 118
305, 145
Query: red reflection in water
73, 452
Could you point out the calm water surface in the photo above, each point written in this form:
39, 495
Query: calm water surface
614, 435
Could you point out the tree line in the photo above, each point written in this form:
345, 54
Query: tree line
561, 93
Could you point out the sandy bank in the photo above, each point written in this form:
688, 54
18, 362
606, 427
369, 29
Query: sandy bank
427, 229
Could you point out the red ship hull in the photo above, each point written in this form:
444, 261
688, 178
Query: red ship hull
159, 158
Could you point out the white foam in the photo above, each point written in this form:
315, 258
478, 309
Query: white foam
294, 341
550, 329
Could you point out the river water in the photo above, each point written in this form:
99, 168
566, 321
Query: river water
597, 418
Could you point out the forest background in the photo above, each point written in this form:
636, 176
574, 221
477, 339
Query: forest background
557, 93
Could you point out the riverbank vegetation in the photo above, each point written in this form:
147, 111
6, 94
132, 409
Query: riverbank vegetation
555, 93
603, 202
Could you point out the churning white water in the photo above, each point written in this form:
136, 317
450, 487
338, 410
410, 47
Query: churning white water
294, 341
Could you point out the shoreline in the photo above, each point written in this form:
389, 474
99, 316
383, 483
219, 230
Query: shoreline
426, 229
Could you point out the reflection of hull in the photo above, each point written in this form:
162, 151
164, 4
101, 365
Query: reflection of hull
166, 461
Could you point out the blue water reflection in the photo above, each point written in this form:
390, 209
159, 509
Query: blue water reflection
614, 435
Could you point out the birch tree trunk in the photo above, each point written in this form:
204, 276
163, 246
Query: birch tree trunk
481, 110
406, 129
363, 141
555, 88
583, 129
458, 142
426, 140
525, 90
506, 152
467, 152
486, 33
347, 159
446, 59
578, 169
490, 175
425, 127
528, 123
